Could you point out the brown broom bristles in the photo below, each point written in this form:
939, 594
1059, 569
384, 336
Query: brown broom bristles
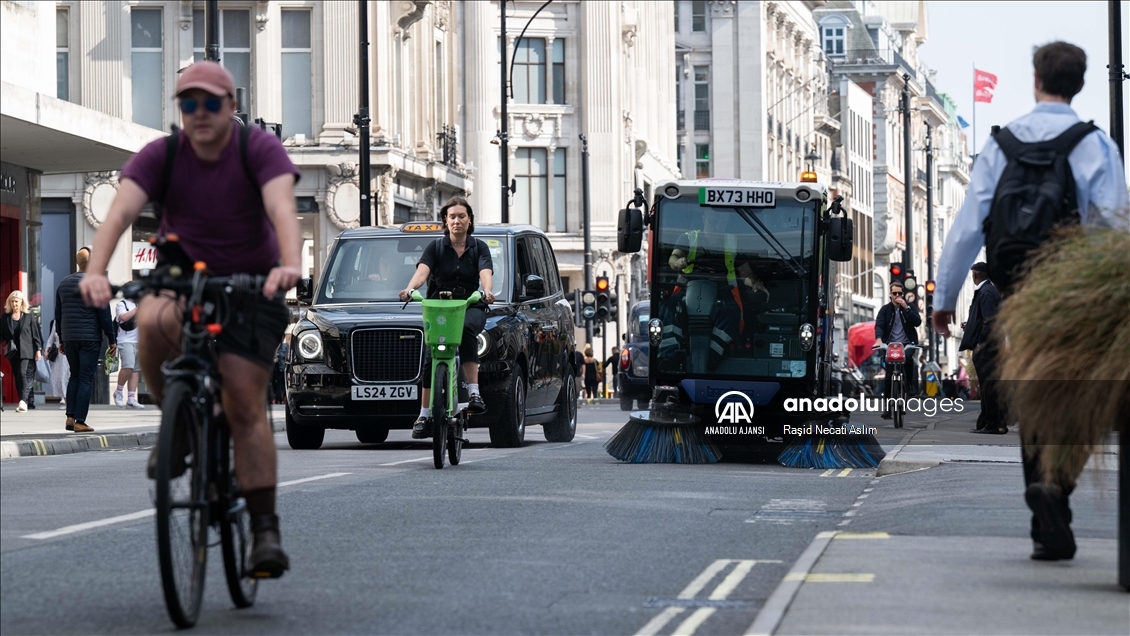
1065, 364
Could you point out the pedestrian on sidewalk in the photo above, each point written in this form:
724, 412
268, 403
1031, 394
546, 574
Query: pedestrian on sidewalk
982, 310
612, 363
1084, 168
20, 330
60, 369
897, 323
592, 375
81, 330
125, 316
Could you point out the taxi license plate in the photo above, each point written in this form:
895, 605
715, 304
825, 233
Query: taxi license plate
740, 197
384, 392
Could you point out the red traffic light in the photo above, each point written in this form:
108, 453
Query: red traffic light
896, 270
602, 283
930, 286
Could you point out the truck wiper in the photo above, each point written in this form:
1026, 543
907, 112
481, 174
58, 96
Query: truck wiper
763, 231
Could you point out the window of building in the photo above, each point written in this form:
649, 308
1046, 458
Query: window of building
702, 161
559, 71
702, 98
677, 3
146, 75
560, 200
529, 71
62, 54
235, 46
441, 93
834, 40
297, 89
698, 16
531, 201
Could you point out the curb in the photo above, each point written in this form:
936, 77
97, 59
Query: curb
83, 443
892, 465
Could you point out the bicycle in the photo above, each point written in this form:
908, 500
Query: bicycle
443, 333
196, 488
896, 363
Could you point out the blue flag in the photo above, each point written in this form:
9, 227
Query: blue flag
961, 122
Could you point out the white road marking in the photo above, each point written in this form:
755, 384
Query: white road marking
720, 593
142, 514
701, 580
688, 627
660, 621
731, 581
828, 473
406, 461
774, 609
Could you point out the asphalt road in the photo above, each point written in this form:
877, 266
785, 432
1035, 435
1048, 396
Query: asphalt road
546, 539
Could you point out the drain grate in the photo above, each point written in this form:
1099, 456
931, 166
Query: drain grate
654, 601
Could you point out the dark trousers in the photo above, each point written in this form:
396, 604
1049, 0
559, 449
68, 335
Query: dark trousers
1030, 456
82, 355
985, 363
24, 372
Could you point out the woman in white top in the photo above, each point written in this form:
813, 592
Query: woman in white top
125, 314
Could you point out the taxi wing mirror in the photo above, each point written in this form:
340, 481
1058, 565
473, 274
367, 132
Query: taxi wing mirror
629, 230
535, 287
305, 291
840, 238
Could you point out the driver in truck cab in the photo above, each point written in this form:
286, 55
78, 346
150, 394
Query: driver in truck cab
709, 253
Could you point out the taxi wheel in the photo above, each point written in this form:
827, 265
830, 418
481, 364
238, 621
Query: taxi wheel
509, 430
372, 435
564, 425
303, 437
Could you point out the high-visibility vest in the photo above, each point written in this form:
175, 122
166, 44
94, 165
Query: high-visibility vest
731, 247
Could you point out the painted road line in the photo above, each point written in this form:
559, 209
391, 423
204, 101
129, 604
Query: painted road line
660, 621
306, 479
142, 514
701, 580
778, 602
844, 473
862, 535
828, 473
688, 627
406, 461
731, 581
90, 525
835, 577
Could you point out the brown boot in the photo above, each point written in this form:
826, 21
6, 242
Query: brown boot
70, 423
81, 427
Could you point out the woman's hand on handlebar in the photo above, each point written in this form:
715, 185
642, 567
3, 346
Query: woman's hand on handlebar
95, 290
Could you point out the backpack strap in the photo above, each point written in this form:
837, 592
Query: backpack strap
1009, 144
172, 143
1068, 139
244, 136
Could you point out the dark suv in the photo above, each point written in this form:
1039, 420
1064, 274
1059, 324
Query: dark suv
633, 383
356, 357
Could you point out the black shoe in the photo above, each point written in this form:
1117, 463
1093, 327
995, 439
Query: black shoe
986, 431
267, 560
1056, 539
422, 429
886, 416
475, 405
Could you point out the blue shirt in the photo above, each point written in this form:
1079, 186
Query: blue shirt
1099, 180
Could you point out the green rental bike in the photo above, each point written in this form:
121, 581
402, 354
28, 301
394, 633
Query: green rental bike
443, 332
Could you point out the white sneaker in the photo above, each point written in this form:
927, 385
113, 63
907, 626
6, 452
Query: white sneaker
119, 401
134, 404
22, 407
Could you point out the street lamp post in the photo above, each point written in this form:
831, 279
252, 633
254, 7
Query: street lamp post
212, 30
361, 119
932, 350
504, 129
908, 192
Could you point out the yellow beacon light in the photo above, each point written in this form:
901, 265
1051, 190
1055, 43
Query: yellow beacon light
808, 176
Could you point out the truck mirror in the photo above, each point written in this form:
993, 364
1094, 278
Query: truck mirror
305, 291
840, 239
629, 230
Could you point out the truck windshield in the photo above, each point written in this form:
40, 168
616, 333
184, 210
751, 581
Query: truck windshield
733, 287
376, 269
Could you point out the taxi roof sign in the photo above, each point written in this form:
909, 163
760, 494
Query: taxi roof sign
421, 227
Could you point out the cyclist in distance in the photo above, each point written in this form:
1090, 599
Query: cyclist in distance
456, 263
235, 210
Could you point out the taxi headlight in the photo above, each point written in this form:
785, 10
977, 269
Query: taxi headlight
310, 345
483, 342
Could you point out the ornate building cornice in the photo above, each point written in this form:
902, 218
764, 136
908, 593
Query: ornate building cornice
97, 195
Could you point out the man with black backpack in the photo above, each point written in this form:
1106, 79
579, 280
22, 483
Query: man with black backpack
1044, 169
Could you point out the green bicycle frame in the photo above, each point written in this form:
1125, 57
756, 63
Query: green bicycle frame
443, 333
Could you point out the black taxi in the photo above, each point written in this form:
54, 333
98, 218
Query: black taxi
356, 357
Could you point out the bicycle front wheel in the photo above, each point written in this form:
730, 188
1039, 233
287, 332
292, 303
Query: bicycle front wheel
439, 414
235, 535
182, 507
896, 410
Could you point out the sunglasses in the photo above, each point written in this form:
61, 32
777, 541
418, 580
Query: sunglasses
211, 104
896, 293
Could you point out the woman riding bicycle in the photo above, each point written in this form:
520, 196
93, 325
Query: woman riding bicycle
458, 264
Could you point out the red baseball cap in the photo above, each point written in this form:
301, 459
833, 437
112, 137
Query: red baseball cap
209, 76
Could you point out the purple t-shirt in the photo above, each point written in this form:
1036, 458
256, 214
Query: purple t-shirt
212, 206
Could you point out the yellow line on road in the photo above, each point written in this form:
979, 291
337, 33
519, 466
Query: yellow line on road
828, 473
844, 472
839, 578
863, 535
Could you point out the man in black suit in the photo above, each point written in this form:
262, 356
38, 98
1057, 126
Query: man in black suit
982, 311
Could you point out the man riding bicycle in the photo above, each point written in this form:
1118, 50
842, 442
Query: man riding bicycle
897, 323
233, 209
458, 264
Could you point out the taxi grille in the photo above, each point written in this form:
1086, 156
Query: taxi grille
387, 355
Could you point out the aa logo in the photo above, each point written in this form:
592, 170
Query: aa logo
734, 411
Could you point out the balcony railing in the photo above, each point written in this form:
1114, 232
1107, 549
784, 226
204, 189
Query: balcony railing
702, 120
448, 145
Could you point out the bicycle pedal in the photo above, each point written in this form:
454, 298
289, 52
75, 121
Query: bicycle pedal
461, 440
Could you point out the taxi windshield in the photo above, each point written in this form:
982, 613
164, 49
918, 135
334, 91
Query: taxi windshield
376, 269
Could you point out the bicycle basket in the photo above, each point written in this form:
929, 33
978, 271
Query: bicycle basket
895, 353
443, 322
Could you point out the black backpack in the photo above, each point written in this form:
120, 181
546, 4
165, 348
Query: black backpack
172, 142
1036, 193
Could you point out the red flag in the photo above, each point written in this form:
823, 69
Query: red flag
983, 85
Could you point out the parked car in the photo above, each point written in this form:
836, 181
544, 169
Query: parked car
357, 355
634, 387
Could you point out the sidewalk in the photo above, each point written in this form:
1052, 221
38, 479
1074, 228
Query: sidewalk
41, 431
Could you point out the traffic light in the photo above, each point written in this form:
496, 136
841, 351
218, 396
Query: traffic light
613, 308
602, 297
588, 305
930, 286
910, 285
896, 273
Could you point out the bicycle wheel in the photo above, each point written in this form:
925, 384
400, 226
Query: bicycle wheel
439, 413
182, 508
455, 443
896, 393
235, 534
